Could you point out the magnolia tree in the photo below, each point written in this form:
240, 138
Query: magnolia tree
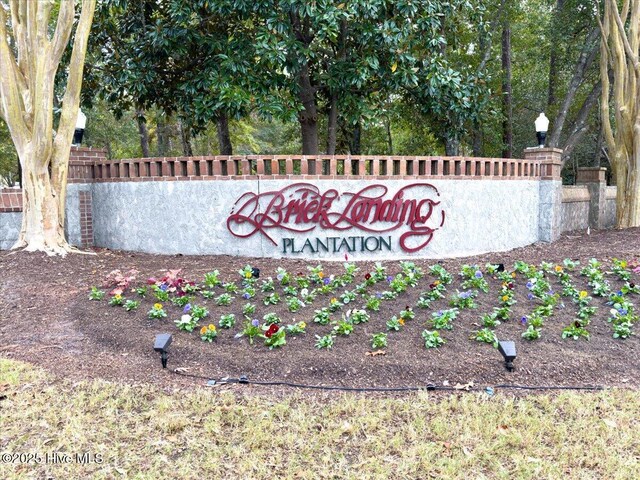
619, 50
33, 38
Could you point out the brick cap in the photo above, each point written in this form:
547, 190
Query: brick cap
541, 150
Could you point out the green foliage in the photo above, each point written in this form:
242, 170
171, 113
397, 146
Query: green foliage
379, 340
325, 341
432, 339
96, 294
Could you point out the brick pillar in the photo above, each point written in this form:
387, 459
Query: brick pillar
550, 191
596, 181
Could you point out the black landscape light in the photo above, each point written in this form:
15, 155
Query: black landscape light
161, 345
255, 272
500, 267
508, 350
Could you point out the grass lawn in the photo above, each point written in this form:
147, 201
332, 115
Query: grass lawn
145, 432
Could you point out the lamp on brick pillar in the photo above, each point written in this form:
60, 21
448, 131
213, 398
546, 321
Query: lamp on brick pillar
542, 127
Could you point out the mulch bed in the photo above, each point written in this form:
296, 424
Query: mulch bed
46, 318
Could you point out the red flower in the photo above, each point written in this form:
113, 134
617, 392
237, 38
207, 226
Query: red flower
511, 286
273, 328
432, 286
367, 276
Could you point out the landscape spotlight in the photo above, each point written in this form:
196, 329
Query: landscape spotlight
255, 272
161, 345
508, 350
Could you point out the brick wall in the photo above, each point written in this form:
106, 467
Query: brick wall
10, 200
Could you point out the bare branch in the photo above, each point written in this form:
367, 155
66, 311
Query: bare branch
625, 41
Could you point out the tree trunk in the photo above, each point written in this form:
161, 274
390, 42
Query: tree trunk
308, 117
452, 145
41, 211
477, 140
587, 55
507, 105
143, 132
387, 126
224, 138
355, 140
29, 60
553, 58
185, 138
332, 124
619, 51
162, 135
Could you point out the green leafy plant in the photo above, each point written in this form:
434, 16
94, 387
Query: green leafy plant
395, 323
208, 333
272, 299
407, 313
343, 327
208, 294
622, 330
325, 341
250, 330
96, 294
187, 323
160, 294
531, 333
157, 311
141, 291
442, 320
294, 304
334, 305
267, 285
379, 340
131, 305
441, 274
296, 328
117, 300
486, 335
432, 339
322, 316
358, 316
463, 300
211, 279
181, 301
373, 303
197, 311
249, 309
274, 336
271, 318
575, 331
490, 320
227, 321
347, 297
230, 287
223, 300
473, 278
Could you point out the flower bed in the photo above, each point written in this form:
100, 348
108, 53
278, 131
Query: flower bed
266, 310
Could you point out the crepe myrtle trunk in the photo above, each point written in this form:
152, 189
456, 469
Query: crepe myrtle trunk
30, 54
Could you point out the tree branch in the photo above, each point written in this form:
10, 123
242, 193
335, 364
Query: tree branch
580, 126
64, 27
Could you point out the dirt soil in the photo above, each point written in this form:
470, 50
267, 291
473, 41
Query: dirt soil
47, 319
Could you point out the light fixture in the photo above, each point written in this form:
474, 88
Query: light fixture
161, 345
508, 350
255, 272
542, 127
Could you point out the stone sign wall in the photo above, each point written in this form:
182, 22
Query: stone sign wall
320, 207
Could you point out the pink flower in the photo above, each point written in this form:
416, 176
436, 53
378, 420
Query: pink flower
151, 281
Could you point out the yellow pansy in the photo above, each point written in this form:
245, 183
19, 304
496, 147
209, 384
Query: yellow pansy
558, 268
583, 294
157, 306
203, 330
